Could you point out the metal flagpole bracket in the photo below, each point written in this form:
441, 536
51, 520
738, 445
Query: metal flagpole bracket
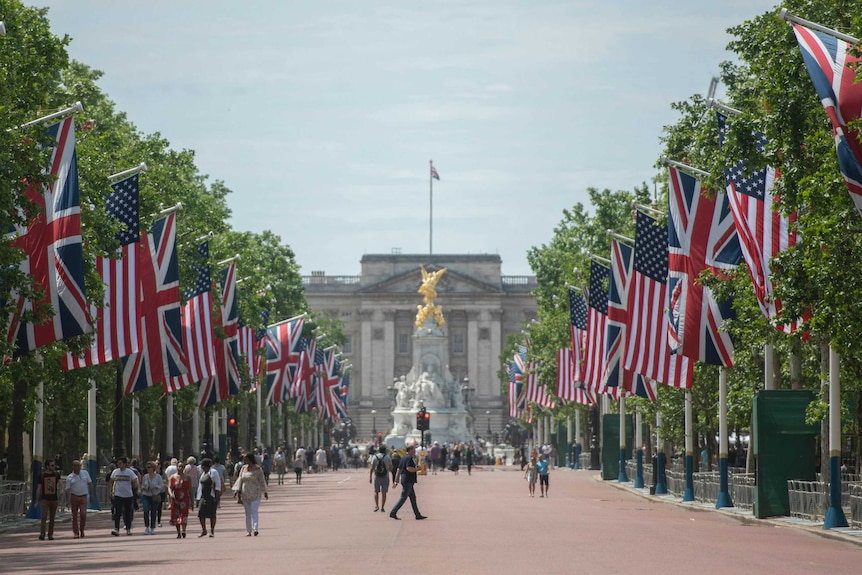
600, 259
648, 209
788, 17
684, 167
142, 167
616, 236
576, 288
171, 209
294, 318
73, 109
713, 103
229, 260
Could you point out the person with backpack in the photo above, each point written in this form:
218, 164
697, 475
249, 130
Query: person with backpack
378, 474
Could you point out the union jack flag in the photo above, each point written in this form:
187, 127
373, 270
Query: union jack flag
596, 325
197, 323
833, 72
303, 380
567, 388
162, 355
434, 173
647, 349
328, 386
701, 235
578, 326
225, 382
763, 231
53, 254
615, 374
283, 351
246, 339
118, 319
340, 399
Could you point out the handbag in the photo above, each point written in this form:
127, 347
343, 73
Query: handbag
239, 497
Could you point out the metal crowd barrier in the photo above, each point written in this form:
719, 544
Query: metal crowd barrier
13, 499
705, 486
584, 460
675, 482
741, 486
855, 517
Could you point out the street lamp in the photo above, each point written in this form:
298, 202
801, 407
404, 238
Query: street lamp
488, 413
374, 423
465, 390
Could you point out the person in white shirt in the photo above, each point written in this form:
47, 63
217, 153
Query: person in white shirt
298, 463
79, 485
124, 488
171, 469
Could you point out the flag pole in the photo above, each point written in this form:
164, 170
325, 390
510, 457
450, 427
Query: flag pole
142, 167
431, 207
287, 320
73, 109
788, 17
684, 167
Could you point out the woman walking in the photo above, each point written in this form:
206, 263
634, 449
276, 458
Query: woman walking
248, 489
208, 488
180, 492
531, 474
151, 497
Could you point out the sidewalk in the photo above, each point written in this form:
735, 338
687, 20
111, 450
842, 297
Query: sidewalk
746, 516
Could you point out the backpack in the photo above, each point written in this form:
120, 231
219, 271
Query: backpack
380, 467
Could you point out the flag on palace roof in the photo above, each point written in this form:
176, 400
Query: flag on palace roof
162, 355
434, 173
832, 68
53, 252
117, 321
701, 236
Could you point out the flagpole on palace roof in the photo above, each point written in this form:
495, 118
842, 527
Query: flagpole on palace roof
431, 207
787, 16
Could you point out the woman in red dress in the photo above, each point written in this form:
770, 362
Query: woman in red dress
180, 493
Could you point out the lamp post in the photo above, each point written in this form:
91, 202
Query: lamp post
488, 413
374, 423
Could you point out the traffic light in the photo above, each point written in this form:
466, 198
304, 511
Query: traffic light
233, 436
420, 421
427, 422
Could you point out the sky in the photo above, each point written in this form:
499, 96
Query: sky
322, 116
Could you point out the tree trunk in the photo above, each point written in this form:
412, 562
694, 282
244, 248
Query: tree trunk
15, 461
795, 365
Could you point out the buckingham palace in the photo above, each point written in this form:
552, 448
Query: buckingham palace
378, 308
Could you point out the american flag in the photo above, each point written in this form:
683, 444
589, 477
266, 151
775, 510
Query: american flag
615, 374
763, 231
516, 388
565, 374
833, 72
578, 328
701, 236
647, 349
225, 382
282, 352
197, 323
434, 173
596, 325
118, 319
536, 393
162, 355
53, 254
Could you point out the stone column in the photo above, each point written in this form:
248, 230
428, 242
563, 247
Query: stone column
365, 316
479, 382
388, 355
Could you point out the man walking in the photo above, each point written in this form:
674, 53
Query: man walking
542, 465
79, 485
378, 474
407, 476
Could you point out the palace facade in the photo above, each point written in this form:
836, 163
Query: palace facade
481, 307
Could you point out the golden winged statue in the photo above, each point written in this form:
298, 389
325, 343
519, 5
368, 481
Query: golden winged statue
429, 291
